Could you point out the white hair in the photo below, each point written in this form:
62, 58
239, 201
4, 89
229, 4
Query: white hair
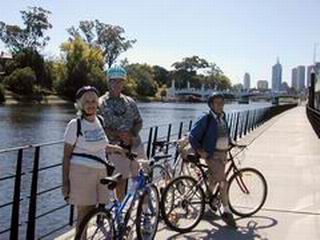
79, 104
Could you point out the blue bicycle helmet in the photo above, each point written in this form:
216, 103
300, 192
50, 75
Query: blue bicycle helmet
116, 72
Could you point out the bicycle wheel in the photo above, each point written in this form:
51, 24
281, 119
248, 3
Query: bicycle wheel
182, 204
160, 177
247, 192
148, 214
96, 225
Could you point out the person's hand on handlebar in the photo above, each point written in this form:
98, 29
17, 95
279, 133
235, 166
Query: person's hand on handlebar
115, 149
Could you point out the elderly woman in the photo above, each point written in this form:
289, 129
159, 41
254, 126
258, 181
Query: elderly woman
84, 160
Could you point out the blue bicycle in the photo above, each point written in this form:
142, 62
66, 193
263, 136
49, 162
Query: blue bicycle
114, 222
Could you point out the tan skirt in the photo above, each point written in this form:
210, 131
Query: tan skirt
85, 187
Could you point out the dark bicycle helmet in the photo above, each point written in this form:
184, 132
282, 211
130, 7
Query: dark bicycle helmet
85, 89
213, 96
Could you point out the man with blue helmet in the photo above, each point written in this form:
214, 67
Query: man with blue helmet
210, 139
123, 123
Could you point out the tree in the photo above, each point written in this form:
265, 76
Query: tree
161, 75
143, 75
21, 81
191, 64
109, 38
25, 43
32, 36
186, 70
81, 65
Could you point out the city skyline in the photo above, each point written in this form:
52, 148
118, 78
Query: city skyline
228, 33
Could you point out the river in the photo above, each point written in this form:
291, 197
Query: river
30, 124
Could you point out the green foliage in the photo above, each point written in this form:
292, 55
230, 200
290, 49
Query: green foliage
109, 38
142, 74
21, 81
2, 94
130, 87
31, 58
81, 65
32, 35
161, 75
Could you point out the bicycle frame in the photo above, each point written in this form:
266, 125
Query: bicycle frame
121, 217
231, 169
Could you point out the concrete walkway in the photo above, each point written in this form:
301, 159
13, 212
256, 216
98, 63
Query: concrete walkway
287, 152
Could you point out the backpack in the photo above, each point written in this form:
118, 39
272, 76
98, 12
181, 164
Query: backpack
184, 146
79, 132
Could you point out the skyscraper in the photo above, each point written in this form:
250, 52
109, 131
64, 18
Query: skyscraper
294, 78
309, 69
301, 73
276, 76
246, 81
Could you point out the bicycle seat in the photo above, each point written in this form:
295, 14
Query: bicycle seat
111, 181
192, 158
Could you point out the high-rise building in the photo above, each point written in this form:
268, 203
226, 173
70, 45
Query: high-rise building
246, 81
276, 76
309, 69
301, 74
294, 78
262, 85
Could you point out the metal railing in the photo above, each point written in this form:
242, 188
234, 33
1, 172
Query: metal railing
240, 124
314, 119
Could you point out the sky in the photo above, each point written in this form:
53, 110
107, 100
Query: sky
238, 35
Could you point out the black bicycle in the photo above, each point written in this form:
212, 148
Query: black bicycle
184, 198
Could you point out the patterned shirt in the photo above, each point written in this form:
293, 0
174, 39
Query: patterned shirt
223, 133
120, 114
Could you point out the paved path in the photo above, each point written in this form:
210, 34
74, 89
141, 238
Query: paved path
287, 151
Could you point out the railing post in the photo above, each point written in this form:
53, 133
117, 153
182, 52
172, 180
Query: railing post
190, 125
14, 231
253, 120
168, 137
179, 136
31, 227
154, 140
236, 129
246, 126
242, 124
71, 214
180, 130
149, 142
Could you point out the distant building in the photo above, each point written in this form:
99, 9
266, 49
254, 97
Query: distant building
276, 76
309, 69
294, 78
301, 74
285, 87
246, 81
262, 85
4, 57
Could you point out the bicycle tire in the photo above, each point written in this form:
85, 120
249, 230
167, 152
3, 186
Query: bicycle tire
160, 177
237, 181
163, 207
102, 213
139, 217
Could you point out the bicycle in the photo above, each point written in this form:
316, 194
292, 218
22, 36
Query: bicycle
163, 167
111, 223
247, 191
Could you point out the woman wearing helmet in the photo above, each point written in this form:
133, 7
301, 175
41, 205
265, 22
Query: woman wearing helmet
122, 125
84, 158
209, 137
